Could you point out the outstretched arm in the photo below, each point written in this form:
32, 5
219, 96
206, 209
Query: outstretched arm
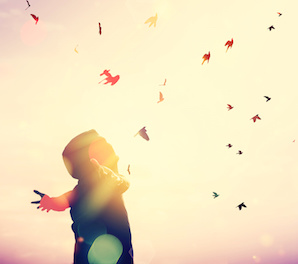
119, 183
59, 203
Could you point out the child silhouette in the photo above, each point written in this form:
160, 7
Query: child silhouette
100, 222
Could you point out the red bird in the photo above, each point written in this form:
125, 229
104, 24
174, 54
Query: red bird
229, 43
35, 18
99, 28
206, 57
255, 118
230, 107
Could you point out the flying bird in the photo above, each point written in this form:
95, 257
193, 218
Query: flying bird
28, 4
279, 14
255, 118
229, 145
143, 134
161, 98
229, 43
128, 169
239, 152
75, 49
35, 18
294, 140
163, 83
230, 107
268, 98
241, 205
152, 20
215, 195
99, 28
206, 57
271, 27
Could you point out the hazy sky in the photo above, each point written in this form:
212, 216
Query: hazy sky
50, 93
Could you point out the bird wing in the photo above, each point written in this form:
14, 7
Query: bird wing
34, 16
144, 135
160, 96
149, 20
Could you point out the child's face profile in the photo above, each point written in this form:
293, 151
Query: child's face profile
88, 145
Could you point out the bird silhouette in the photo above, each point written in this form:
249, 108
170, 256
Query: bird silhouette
128, 169
229, 145
75, 49
255, 118
163, 83
99, 28
206, 57
239, 152
35, 18
28, 4
241, 205
279, 14
271, 27
143, 134
230, 107
215, 195
229, 43
161, 98
268, 98
152, 20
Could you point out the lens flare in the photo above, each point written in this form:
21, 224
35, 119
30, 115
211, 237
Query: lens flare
90, 231
106, 249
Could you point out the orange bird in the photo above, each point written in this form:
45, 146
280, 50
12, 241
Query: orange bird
255, 118
229, 43
35, 18
230, 107
164, 84
206, 57
128, 169
161, 98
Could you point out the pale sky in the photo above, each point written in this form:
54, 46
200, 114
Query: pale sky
50, 94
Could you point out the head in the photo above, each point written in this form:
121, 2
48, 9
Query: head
82, 148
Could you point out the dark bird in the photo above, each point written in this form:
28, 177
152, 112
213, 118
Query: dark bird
215, 195
229, 145
255, 118
241, 205
35, 18
268, 98
271, 27
128, 169
279, 14
28, 4
230, 107
143, 134
99, 28
239, 152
